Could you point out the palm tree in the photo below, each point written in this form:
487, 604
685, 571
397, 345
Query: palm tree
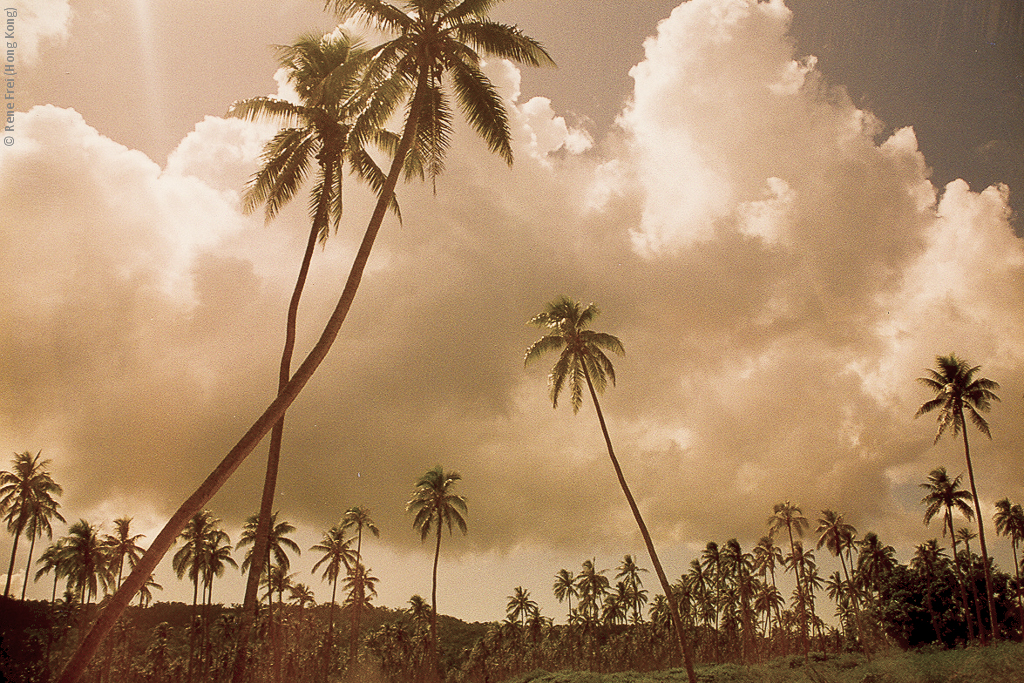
767, 556
337, 553
27, 503
565, 589
520, 606
836, 535
277, 544
946, 495
85, 561
789, 516
51, 561
434, 40
959, 395
359, 517
123, 546
582, 361
324, 71
928, 559
1009, 521
629, 571
362, 588
434, 504
201, 534
592, 585
874, 563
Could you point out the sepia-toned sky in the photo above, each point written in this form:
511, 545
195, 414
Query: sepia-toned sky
779, 259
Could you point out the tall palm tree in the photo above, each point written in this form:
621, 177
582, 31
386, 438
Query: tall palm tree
767, 556
359, 517
27, 503
592, 585
198, 538
582, 362
874, 563
277, 546
435, 40
434, 504
961, 396
788, 516
362, 588
51, 561
565, 589
124, 546
1009, 519
324, 71
945, 495
336, 553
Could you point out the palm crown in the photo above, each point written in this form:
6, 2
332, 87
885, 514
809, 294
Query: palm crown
582, 359
958, 395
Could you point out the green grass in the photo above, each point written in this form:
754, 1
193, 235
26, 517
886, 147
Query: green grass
1002, 663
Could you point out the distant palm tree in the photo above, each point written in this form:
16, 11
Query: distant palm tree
565, 589
945, 494
198, 538
592, 585
434, 504
419, 610
123, 546
837, 535
359, 517
85, 561
27, 503
582, 362
960, 395
51, 561
336, 552
362, 588
789, 517
629, 572
767, 556
1009, 519
277, 544
874, 563
520, 606
928, 559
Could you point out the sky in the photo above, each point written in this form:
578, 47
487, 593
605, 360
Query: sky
740, 187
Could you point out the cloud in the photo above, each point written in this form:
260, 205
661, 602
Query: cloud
39, 22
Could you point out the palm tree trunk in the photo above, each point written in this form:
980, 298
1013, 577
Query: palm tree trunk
194, 503
330, 628
262, 539
673, 608
432, 674
14, 553
981, 534
28, 567
802, 609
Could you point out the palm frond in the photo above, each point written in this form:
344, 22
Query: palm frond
504, 42
482, 106
373, 13
266, 109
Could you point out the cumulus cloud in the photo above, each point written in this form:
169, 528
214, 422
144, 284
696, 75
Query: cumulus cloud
778, 269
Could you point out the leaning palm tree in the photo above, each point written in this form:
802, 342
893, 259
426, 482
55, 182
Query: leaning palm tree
324, 71
337, 553
27, 502
1009, 519
434, 504
789, 517
582, 362
434, 41
945, 494
961, 396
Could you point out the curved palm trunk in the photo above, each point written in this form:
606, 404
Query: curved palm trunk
14, 553
262, 540
28, 567
959, 575
981, 536
673, 608
330, 629
433, 607
194, 503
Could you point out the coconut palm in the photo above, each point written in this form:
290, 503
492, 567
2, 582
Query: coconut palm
124, 546
767, 556
324, 71
434, 504
582, 362
565, 588
1009, 519
434, 40
198, 538
520, 606
945, 495
358, 517
837, 535
960, 396
874, 563
277, 545
51, 561
362, 588
85, 561
788, 516
27, 503
927, 561
336, 552
592, 586
629, 572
